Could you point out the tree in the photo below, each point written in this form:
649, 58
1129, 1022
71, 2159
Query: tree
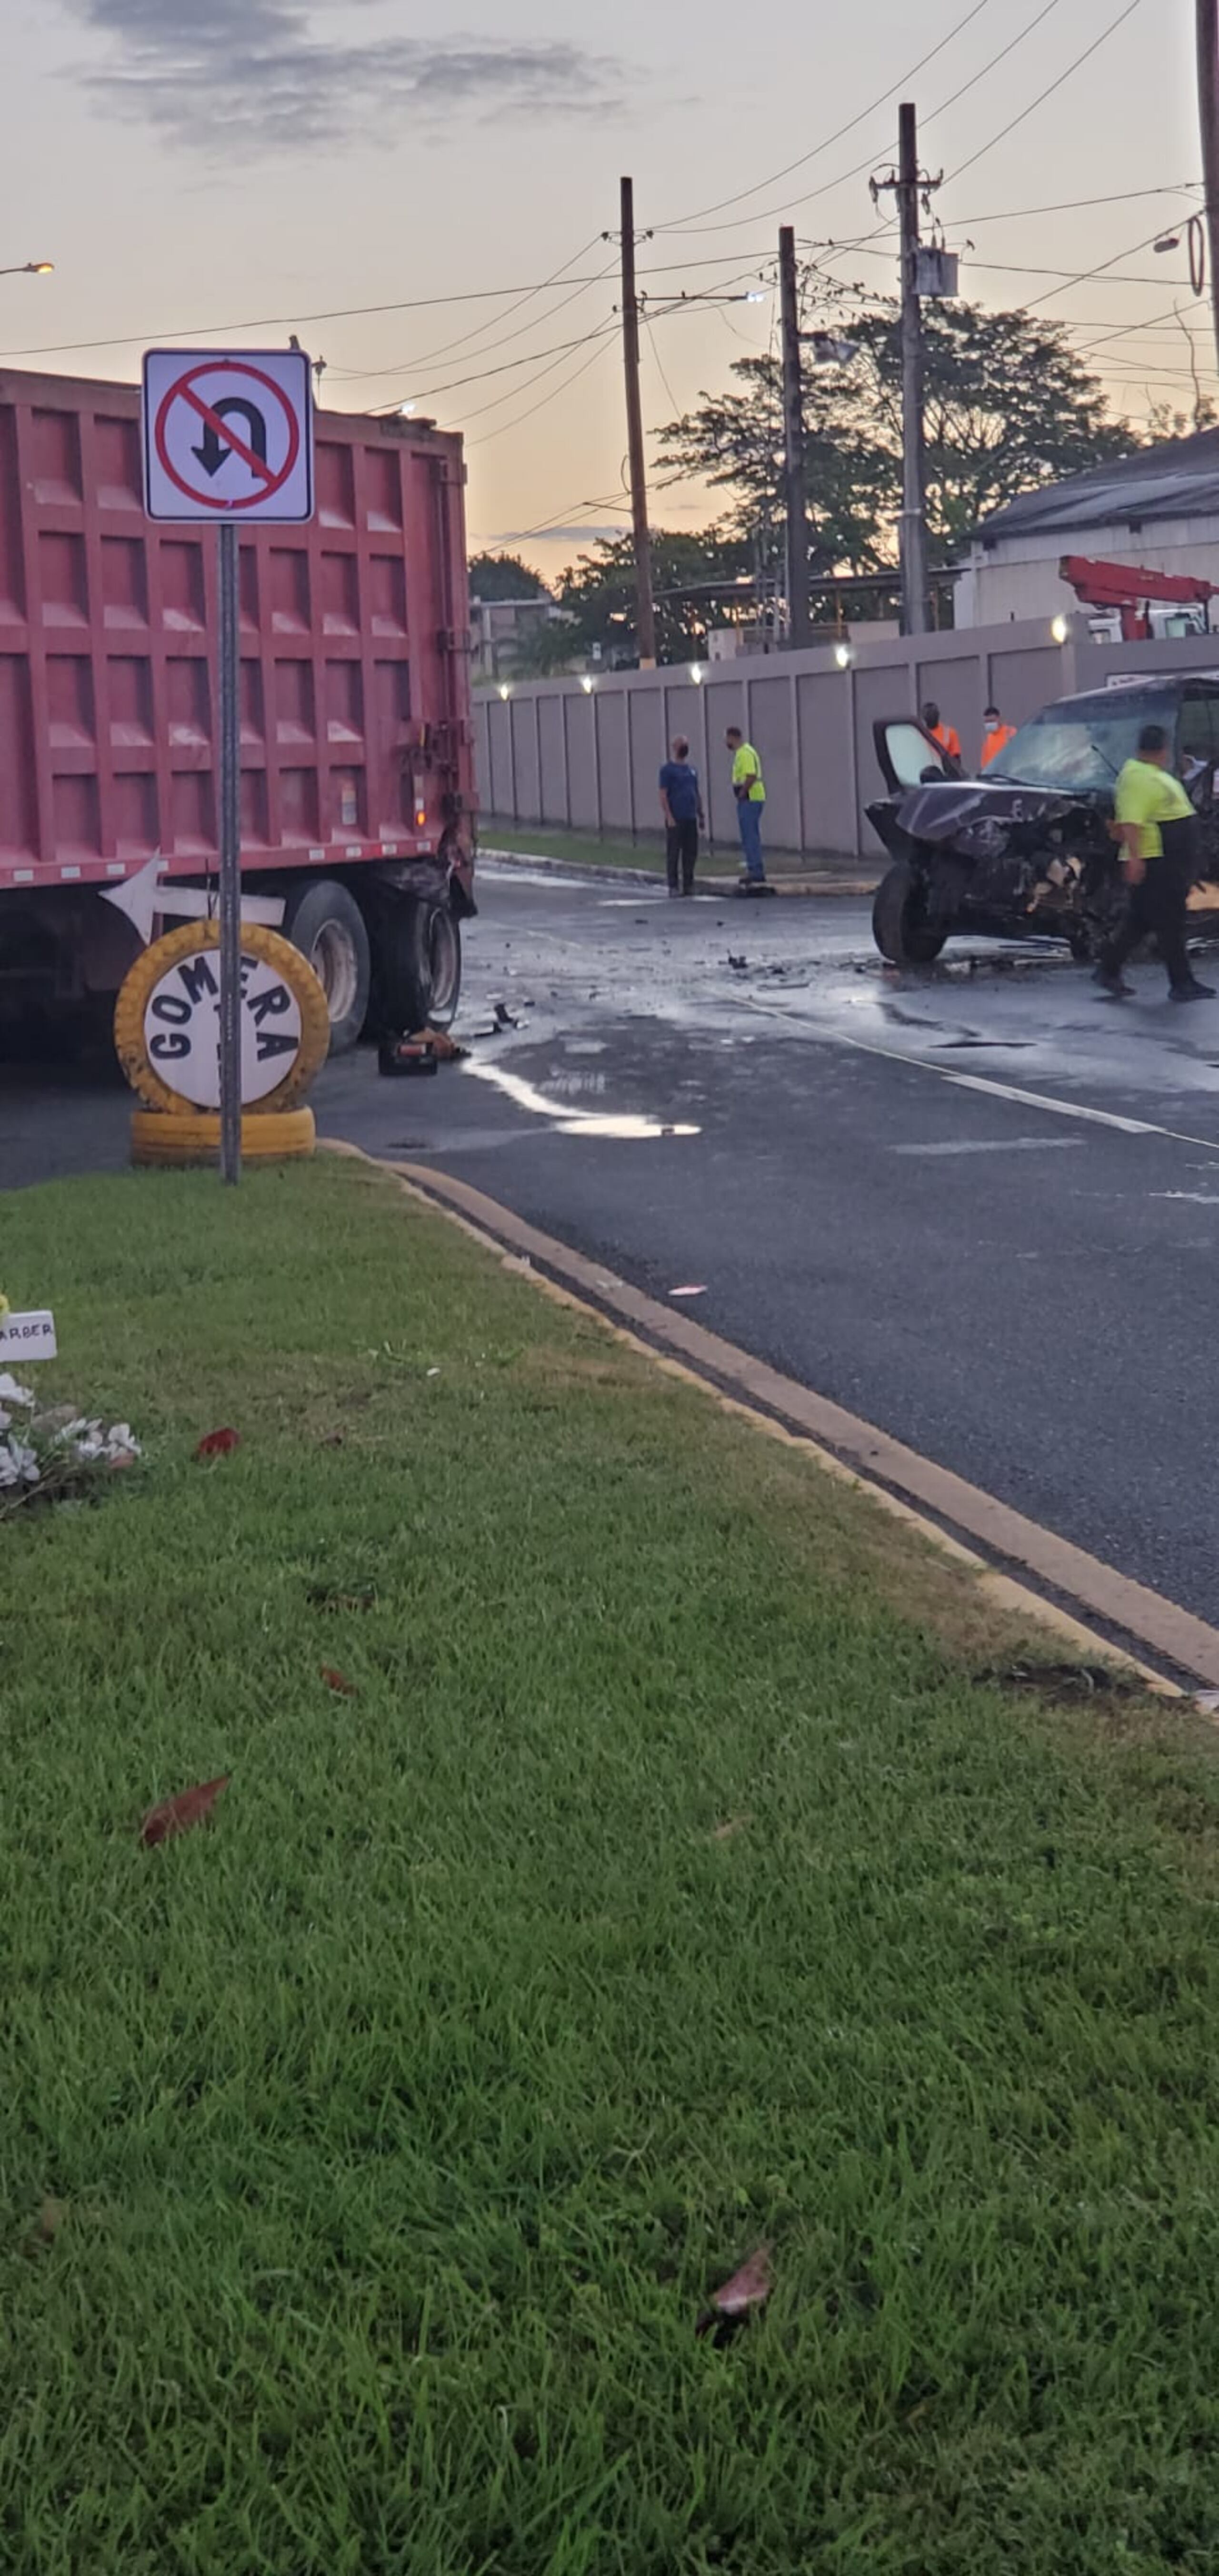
599, 593
545, 649
735, 442
504, 577
1009, 406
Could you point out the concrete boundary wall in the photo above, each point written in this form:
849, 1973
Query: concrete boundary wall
556, 753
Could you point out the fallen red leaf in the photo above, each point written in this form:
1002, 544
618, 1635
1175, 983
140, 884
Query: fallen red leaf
749, 2288
177, 1815
217, 1444
336, 1681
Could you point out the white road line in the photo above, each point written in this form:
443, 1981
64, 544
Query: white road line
1006, 1145
978, 1082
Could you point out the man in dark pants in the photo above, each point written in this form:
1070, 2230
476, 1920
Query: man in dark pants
1159, 829
681, 804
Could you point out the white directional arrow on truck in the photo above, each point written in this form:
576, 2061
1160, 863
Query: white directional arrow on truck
146, 897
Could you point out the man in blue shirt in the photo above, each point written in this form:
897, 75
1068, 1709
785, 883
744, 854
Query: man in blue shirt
681, 804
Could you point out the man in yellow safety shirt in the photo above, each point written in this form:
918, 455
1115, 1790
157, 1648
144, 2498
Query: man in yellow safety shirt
995, 736
1159, 830
749, 789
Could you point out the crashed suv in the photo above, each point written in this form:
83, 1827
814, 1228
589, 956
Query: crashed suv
1028, 850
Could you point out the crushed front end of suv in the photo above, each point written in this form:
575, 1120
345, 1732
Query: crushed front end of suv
1029, 851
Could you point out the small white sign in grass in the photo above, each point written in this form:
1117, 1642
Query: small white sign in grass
27, 1337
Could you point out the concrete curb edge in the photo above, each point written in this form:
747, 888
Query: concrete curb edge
1004, 1547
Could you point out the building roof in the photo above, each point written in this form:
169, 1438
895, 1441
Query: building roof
1179, 479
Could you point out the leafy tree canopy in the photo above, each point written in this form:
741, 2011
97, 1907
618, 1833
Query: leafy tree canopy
599, 592
1009, 406
504, 577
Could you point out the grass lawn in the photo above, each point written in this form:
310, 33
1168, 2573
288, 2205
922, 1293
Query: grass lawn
588, 850
667, 1887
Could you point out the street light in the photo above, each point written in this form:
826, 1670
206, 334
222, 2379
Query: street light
31, 268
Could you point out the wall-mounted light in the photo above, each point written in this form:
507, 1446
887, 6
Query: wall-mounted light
1060, 628
843, 656
588, 684
504, 690
696, 674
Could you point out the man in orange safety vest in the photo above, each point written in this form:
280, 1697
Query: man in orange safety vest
995, 736
946, 735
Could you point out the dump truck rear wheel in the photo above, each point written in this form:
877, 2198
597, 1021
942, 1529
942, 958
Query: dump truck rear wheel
325, 922
418, 978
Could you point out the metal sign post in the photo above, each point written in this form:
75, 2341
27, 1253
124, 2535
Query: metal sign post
230, 855
228, 435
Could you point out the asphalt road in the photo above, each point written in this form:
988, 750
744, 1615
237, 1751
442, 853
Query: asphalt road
976, 1203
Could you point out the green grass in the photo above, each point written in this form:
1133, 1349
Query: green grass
574, 849
367, 2157
647, 854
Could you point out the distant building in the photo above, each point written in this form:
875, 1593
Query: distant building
1158, 509
501, 626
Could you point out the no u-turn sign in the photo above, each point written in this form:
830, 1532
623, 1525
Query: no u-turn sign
228, 434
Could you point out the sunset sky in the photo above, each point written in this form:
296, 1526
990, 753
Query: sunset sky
220, 171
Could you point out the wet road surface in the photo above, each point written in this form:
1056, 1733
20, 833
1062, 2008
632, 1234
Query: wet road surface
975, 1203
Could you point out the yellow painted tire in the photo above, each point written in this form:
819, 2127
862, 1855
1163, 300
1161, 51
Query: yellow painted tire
273, 950
193, 1136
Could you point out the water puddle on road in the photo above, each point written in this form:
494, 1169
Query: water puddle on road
566, 1121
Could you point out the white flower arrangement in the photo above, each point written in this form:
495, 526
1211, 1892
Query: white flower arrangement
48, 1454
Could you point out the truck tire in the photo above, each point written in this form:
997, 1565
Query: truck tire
161, 1136
418, 971
899, 927
325, 922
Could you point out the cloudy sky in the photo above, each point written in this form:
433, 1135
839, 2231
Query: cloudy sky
225, 170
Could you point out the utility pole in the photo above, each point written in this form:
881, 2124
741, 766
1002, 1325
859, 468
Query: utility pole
793, 435
1207, 18
915, 616
645, 617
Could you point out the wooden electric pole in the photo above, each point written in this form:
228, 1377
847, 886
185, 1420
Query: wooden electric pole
916, 619
793, 437
1207, 18
645, 616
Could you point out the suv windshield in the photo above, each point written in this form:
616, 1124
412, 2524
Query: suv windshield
1083, 743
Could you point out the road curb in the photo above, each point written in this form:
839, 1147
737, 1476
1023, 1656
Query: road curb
858, 886
942, 1506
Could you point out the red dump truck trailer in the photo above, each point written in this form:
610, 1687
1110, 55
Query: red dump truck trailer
357, 788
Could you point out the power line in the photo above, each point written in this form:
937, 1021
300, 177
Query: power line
206, 331
826, 145
1075, 205
1063, 77
605, 331
457, 384
660, 364
844, 175
1029, 268
522, 417
369, 375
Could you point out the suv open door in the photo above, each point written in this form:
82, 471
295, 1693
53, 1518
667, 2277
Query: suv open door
909, 756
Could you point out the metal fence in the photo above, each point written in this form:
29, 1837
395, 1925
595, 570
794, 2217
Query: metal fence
585, 756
